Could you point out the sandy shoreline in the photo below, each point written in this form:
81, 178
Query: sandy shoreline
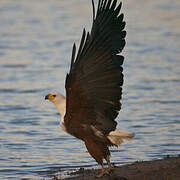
163, 169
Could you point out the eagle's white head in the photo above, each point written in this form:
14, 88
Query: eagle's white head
59, 101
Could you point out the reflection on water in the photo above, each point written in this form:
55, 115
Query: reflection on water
35, 47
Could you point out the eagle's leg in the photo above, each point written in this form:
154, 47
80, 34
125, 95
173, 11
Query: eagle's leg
110, 167
104, 172
98, 151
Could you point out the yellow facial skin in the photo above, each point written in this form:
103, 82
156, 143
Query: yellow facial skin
50, 97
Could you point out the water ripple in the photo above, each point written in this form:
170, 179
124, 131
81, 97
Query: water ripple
35, 50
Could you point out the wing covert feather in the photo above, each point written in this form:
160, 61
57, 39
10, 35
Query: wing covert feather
94, 83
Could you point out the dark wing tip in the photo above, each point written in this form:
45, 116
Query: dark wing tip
73, 55
93, 9
113, 5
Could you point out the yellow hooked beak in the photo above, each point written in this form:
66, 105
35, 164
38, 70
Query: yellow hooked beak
50, 97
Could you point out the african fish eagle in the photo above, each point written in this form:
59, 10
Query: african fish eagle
94, 85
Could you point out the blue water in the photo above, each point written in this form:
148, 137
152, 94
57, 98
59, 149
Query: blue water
36, 39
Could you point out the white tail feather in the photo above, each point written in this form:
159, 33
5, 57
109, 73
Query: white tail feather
116, 137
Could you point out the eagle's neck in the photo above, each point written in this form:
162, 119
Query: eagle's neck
61, 107
60, 104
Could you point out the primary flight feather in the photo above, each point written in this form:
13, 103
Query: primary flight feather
94, 85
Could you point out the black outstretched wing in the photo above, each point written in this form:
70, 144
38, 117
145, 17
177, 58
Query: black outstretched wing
93, 85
